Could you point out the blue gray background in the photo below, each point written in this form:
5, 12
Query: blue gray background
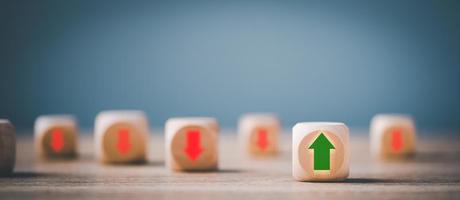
305, 60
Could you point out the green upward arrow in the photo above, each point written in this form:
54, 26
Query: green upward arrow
321, 148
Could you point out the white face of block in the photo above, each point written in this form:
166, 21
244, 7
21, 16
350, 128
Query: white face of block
121, 136
392, 136
7, 147
56, 136
259, 133
320, 151
191, 144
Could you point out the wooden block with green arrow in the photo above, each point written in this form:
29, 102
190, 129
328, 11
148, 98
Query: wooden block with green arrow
320, 151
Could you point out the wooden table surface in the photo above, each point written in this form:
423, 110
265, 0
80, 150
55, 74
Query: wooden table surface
434, 173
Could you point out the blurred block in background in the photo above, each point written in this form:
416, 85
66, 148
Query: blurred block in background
56, 136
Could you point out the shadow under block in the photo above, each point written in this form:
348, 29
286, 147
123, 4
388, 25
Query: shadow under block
7, 147
192, 144
392, 136
121, 136
320, 151
259, 134
56, 136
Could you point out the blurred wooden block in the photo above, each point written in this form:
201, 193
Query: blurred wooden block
121, 136
259, 134
392, 136
56, 136
320, 151
191, 144
7, 147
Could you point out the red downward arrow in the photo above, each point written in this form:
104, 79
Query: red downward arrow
193, 149
123, 142
57, 141
396, 140
262, 140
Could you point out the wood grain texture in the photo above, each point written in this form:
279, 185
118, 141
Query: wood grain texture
434, 173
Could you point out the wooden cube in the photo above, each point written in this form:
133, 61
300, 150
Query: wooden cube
192, 144
7, 147
56, 136
320, 151
259, 134
392, 136
121, 136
